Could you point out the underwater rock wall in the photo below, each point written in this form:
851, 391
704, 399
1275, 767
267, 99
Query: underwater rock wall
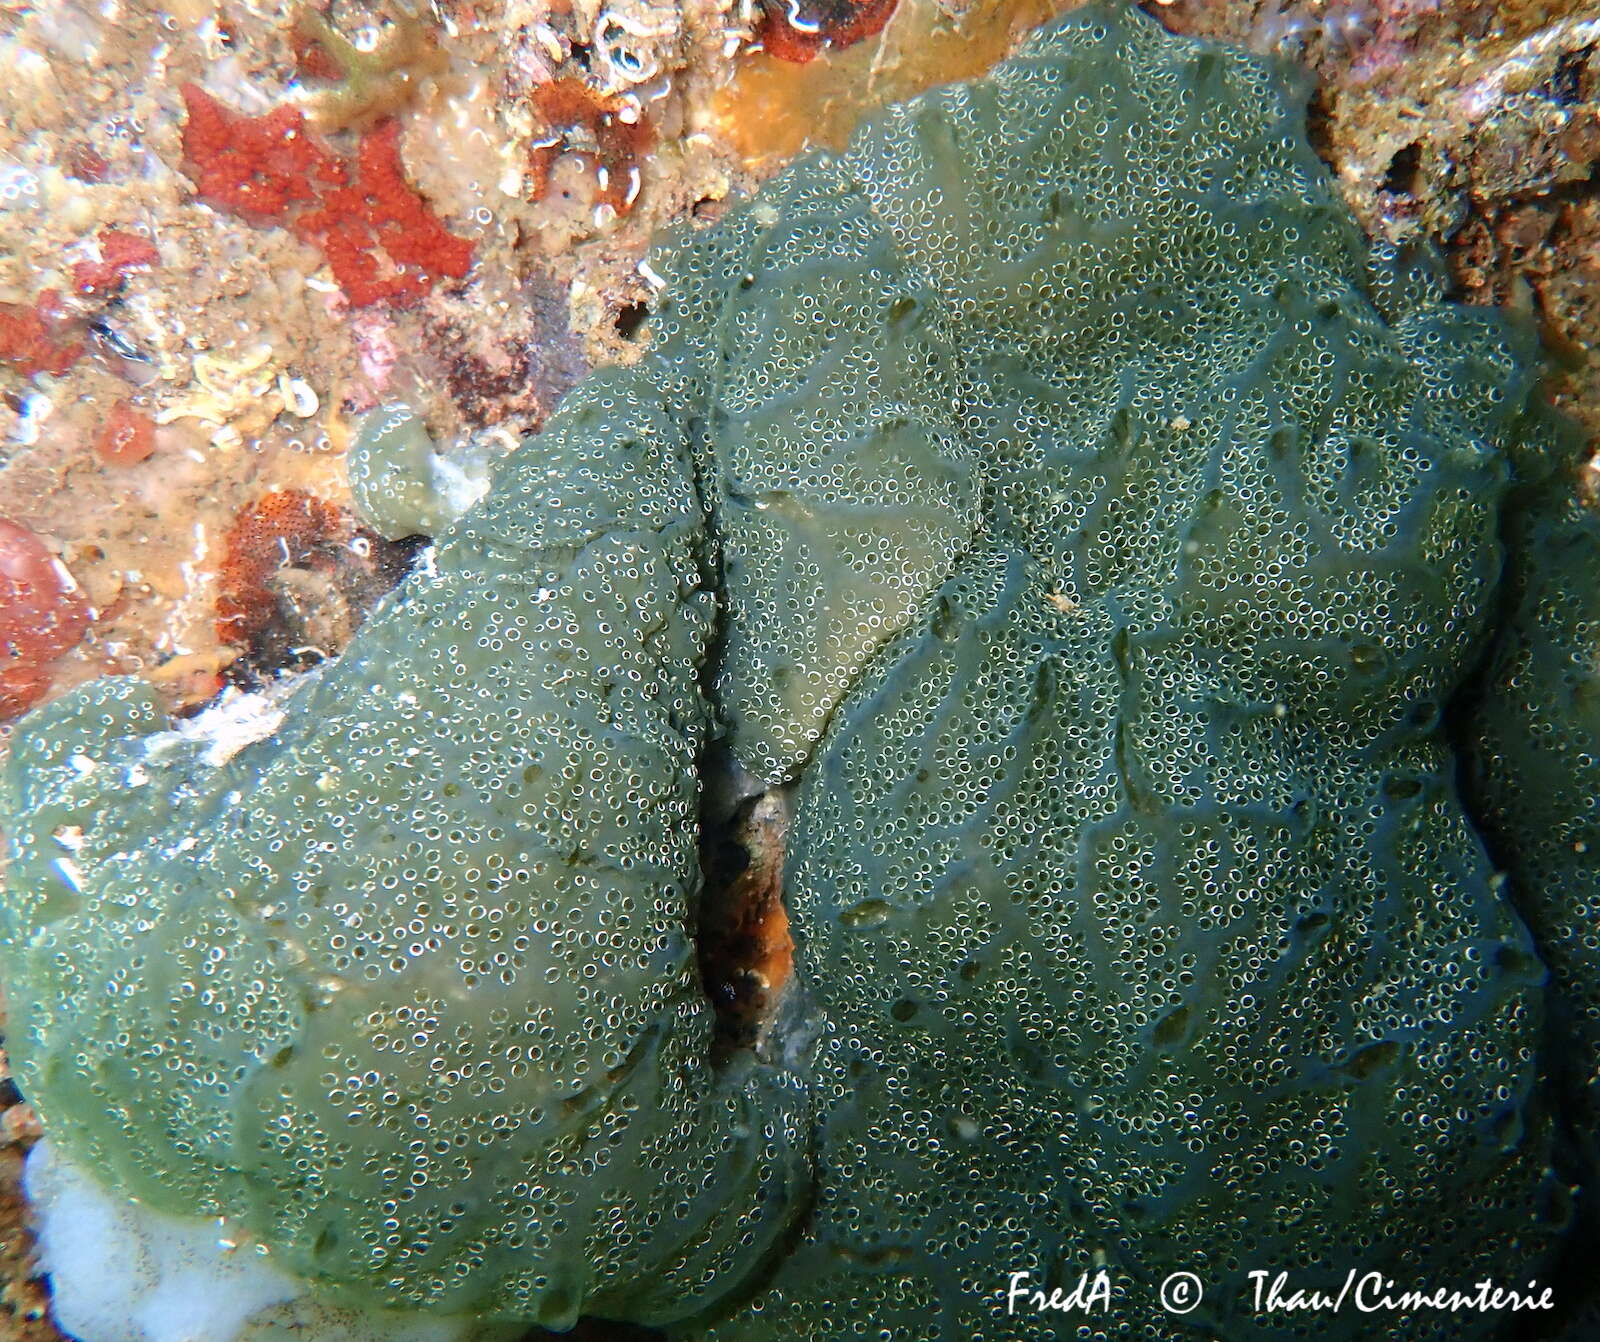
1056, 488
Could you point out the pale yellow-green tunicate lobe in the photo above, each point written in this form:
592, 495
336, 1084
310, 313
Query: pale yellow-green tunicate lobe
390, 468
401, 484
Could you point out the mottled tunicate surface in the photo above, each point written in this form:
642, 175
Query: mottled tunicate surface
1055, 489
408, 988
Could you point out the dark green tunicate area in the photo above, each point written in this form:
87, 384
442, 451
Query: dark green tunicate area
1056, 488
1209, 969
1532, 755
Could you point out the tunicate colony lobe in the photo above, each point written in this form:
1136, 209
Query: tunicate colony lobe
1055, 488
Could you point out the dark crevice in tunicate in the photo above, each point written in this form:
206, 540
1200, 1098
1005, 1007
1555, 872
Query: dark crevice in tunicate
742, 928
740, 925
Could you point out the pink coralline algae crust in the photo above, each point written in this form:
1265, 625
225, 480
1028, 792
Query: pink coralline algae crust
120, 252
379, 237
42, 615
38, 339
128, 437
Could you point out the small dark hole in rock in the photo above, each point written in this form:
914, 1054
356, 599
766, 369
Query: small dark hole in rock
630, 317
1404, 177
1566, 80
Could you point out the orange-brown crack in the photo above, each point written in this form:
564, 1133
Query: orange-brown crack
746, 951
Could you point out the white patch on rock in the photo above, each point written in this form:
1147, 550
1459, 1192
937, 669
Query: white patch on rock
121, 1272
459, 485
236, 720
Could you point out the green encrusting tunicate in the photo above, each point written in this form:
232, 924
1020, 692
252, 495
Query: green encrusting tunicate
401, 484
407, 990
1056, 489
